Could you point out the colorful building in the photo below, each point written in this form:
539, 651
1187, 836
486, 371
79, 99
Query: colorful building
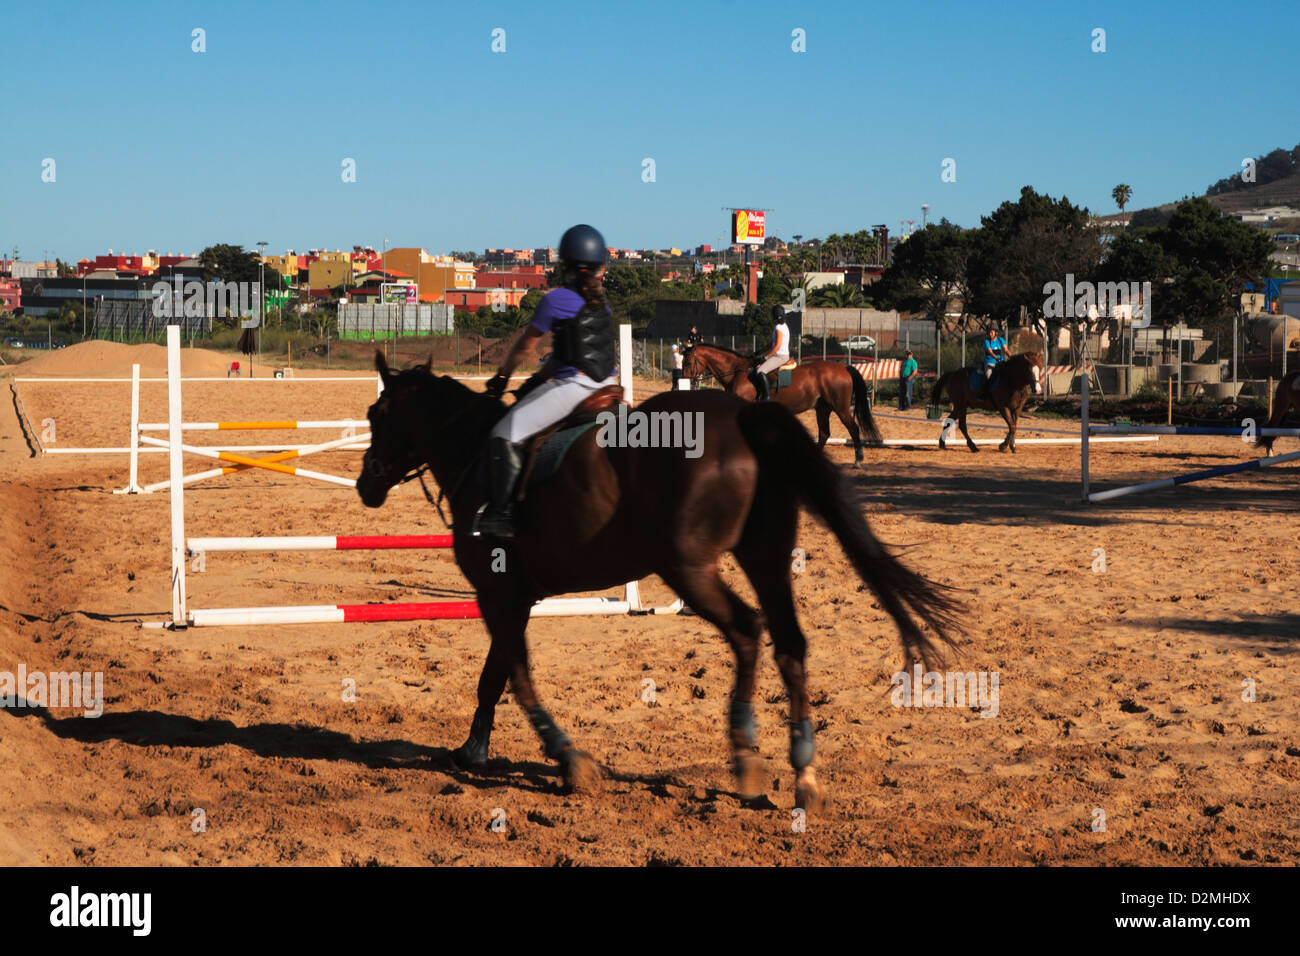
473, 299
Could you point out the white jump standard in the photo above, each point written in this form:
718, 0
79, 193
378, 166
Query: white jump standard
184, 616
1087, 430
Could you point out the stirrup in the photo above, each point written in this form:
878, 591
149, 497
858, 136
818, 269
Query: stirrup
493, 524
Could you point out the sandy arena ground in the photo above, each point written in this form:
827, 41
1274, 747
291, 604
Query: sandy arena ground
1119, 691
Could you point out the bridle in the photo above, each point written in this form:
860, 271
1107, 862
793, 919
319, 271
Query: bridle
424, 468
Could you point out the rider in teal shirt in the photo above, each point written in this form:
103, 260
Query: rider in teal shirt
995, 351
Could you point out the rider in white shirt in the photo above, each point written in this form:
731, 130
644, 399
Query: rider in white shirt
777, 356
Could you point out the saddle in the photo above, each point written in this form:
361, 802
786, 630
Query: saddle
976, 383
545, 451
783, 375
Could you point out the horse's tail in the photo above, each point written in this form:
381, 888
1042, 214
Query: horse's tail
788, 456
862, 409
1281, 401
939, 385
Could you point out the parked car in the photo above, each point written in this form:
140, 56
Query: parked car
860, 343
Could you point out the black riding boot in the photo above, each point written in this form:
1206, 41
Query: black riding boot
504, 464
761, 385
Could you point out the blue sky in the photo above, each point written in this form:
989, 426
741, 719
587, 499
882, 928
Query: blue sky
458, 147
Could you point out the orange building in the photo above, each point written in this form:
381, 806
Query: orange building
433, 274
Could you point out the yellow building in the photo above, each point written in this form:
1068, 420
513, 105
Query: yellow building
328, 273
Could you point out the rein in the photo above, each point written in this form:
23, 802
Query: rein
424, 468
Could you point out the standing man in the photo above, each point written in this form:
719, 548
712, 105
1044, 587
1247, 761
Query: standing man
906, 373
995, 351
677, 365
777, 355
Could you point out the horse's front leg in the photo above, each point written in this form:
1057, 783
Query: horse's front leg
491, 683
1008, 416
581, 772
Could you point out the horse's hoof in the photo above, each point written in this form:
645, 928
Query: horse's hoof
809, 795
581, 772
469, 757
749, 776
974, 449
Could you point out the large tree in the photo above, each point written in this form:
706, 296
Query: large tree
1024, 245
928, 274
1214, 257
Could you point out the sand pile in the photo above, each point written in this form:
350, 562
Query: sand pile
114, 360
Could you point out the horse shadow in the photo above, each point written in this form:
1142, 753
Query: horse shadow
151, 728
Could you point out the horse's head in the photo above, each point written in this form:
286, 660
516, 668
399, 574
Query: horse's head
692, 366
1035, 360
419, 419
398, 433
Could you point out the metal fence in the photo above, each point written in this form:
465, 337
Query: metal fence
135, 320
372, 321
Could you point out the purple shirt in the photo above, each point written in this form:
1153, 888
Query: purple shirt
557, 305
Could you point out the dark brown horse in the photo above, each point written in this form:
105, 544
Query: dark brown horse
617, 514
1018, 376
1285, 398
826, 386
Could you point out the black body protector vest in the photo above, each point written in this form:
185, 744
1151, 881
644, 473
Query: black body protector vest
586, 341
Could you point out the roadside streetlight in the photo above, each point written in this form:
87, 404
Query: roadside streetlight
261, 296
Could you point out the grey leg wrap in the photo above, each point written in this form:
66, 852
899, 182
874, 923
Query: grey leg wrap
801, 743
554, 740
741, 722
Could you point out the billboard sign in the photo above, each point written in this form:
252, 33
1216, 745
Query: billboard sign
748, 227
397, 293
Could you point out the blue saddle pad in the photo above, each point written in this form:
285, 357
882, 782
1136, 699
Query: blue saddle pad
977, 378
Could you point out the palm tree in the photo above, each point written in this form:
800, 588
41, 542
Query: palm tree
794, 285
839, 296
1121, 195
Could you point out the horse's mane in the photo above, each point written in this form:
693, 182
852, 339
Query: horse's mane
719, 348
442, 389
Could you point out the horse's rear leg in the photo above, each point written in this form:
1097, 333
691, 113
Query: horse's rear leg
768, 569
961, 422
703, 589
845, 415
823, 410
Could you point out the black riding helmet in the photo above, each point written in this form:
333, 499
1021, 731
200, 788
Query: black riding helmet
583, 246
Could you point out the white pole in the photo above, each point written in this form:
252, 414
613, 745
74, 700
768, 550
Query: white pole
631, 590
1083, 432
132, 487
177, 470
1180, 360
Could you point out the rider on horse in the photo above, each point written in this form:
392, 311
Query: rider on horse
583, 360
995, 351
777, 355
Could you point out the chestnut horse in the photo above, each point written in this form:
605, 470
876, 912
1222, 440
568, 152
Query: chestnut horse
1017, 377
617, 514
826, 386
1285, 398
